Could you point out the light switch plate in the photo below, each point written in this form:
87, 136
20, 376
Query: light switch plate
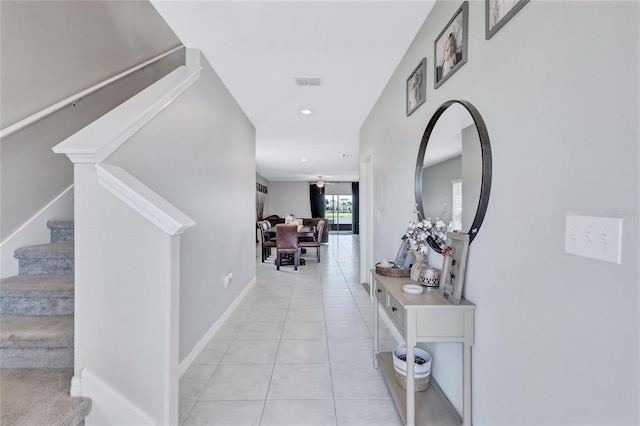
594, 237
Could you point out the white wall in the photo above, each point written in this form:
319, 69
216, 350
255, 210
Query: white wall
48, 52
437, 188
557, 336
338, 189
289, 197
199, 154
55, 49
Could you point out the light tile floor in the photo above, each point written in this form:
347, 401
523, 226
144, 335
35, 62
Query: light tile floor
296, 351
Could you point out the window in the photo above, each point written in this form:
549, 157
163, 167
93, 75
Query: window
339, 211
456, 212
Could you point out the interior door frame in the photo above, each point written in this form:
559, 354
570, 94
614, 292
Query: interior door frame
366, 218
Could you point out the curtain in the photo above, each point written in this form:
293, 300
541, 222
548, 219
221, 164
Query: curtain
316, 196
355, 207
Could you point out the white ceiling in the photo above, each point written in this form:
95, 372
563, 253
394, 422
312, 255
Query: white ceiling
259, 47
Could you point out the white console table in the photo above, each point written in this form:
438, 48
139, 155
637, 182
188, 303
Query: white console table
426, 317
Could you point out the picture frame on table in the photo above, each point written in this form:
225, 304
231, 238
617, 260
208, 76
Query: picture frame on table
498, 13
403, 257
450, 47
417, 87
454, 267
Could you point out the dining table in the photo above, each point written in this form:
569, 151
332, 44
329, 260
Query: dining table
303, 232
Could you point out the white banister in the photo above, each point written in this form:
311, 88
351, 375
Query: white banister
127, 267
25, 122
98, 140
142, 199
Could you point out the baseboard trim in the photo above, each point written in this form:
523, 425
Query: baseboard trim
109, 407
76, 386
189, 359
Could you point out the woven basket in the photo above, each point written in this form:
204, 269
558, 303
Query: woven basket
392, 272
422, 373
420, 384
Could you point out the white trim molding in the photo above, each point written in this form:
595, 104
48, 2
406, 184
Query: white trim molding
143, 200
99, 139
188, 361
110, 406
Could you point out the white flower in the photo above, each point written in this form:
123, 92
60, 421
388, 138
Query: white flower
418, 234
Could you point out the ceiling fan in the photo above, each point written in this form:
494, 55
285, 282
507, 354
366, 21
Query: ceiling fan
320, 183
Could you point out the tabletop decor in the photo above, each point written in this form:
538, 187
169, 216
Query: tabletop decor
392, 270
416, 238
430, 276
453, 266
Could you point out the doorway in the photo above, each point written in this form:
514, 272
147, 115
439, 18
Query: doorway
338, 210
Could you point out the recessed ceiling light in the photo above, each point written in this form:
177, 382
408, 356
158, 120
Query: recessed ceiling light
305, 111
303, 160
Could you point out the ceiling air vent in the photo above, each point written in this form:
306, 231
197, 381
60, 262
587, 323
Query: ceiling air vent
308, 81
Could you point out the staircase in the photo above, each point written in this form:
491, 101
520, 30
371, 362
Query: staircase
36, 335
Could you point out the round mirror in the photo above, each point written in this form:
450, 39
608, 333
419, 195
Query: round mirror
453, 170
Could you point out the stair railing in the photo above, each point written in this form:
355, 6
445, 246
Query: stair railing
127, 268
26, 122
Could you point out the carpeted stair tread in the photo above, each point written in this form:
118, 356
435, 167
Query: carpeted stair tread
40, 397
61, 231
18, 331
60, 224
37, 286
46, 251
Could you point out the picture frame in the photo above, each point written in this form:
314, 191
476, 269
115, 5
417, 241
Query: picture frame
417, 87
262, 188
498, 13
404, 257
451, 46
454, 267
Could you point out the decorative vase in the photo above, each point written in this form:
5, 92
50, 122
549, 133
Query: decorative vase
417, 266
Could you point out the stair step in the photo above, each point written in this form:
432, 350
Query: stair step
39, 397
37, 295
36, 341
61, 231
45, 259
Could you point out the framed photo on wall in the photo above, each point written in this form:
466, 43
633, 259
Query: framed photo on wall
498, 13
417, 87
451, 46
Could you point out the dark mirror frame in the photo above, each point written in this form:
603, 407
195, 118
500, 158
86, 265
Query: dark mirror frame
485, 186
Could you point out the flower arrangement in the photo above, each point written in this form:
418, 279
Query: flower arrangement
418, 233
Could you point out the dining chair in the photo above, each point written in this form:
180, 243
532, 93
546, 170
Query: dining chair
267, 244
287, 243
315, 241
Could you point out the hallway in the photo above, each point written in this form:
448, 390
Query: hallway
297, 351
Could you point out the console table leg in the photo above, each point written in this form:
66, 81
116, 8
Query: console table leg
466, 407
376, 322
411, 342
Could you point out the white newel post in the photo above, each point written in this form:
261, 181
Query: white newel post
127, 270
